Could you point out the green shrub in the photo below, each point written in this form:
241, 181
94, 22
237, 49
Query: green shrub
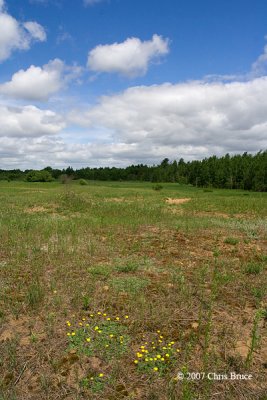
157, 187
83, 182
39, 176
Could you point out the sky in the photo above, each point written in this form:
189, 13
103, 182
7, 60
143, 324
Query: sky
121, 82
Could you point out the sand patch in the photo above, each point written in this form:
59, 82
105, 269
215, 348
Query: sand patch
41, 209
35, 209
119, 200
23, 329
177, 201
116, 199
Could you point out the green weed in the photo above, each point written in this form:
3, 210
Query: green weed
131, 284
231, 240
253, 268
35, 294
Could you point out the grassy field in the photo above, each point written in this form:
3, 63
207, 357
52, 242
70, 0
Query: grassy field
113, 291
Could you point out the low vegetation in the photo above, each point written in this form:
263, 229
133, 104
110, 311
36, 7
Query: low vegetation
114, 290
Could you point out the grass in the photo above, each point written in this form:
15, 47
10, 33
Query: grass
130, 284
231, 240
195, 272
253, 268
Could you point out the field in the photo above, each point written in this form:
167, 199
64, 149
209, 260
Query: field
117, 291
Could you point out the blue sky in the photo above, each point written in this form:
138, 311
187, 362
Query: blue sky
116, 82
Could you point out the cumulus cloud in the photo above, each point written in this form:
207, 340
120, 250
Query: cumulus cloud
192, 119
141, 125
28, 122
130, 58
17, 36
39, 83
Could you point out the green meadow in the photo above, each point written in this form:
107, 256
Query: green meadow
129, 290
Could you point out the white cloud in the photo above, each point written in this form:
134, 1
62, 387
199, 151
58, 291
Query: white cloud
141, 125
28, 122
192, 119
35, 30
259, 67
15, 35
39, 83
130, 58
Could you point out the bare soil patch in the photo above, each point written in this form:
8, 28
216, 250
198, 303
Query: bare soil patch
36, 209
177, 201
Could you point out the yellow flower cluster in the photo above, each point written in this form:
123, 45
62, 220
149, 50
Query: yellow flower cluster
156, 355
99, 334
84, 323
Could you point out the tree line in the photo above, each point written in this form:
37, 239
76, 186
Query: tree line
240, 171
